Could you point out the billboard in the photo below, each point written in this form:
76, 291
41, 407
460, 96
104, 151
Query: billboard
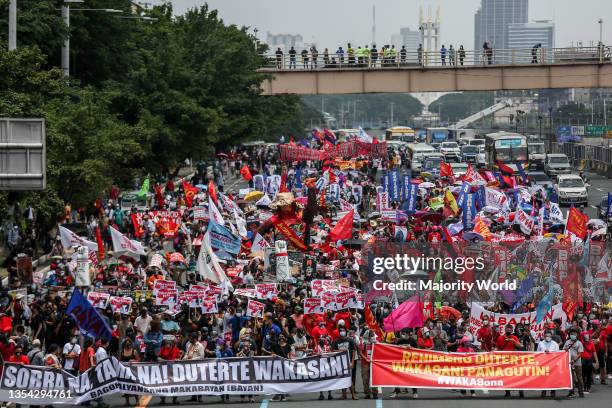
22, 154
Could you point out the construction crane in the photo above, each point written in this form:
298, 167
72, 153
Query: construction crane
463, 123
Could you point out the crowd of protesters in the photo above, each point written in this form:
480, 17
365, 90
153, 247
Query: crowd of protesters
35, 329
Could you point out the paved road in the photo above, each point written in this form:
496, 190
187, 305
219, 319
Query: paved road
599, 397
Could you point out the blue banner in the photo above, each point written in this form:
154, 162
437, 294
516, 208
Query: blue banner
87, 317
392, 185
609, 204
406, 182
469, 211
465, 189
411, 199
298, 178
521, 171
481, 197
222, 238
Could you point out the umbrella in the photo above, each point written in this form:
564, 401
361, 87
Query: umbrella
559, 228
222, 155
254, 195
434, 218
427, 184
177, 257
471, 235
201, 186
446, 312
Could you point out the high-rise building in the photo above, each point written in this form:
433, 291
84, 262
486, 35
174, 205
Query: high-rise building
284, 41
492, 21
526, 35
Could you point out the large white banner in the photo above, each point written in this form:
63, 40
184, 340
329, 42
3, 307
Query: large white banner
228, 376
122, 245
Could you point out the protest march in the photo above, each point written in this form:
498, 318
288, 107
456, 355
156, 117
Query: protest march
326, 267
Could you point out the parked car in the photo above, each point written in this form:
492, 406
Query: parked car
451, 151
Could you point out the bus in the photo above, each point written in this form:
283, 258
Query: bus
507, 147
400, 133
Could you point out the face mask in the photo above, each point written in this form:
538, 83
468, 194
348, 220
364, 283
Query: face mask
267, 337
573, 337
431, 324
73, 340
591, 317
239, 314
342, 333
548, 338
426, 335
586, 337
485, 323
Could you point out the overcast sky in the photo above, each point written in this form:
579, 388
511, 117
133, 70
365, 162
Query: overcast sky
334, 22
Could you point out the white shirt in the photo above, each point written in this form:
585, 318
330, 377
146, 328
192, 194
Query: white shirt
142, 324
548, 346
69, 348
101, 354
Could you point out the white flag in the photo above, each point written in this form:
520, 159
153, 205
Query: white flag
214, 214
241, 224
259, 243
208, 263
264, 201
524, 220
555, 213
364, 137
122, 245
69, 239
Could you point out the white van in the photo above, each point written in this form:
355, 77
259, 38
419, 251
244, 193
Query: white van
416, 152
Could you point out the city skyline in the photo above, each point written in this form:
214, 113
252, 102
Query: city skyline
457, 27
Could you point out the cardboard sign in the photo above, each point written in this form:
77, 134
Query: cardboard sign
247, 292
162, 284
98, 299
255, 308
121, 304
313, 305
209, 305
25, 270
318, 286
266, 290
167, 297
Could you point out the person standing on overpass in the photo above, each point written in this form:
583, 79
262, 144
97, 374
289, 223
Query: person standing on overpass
292, 55
443, 55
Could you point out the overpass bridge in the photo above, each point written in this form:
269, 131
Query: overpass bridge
407, 72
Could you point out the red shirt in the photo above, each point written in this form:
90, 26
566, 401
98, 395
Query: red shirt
169, 353
7, 350
485, 335
589, 349
318, 332
85, 359
21, 359
506, 345
425, 342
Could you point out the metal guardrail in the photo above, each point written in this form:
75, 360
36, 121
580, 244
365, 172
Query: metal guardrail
591, 154
394, 58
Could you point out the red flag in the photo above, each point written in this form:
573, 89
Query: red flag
190, 192
344, 227
332, 177
509, 181
100, 244
371, 321
283, 183
291, 141
246, 173
159, 196
577, 223
212, 192
504, 168
446, 170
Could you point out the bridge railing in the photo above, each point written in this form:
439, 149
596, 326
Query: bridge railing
455, 58
589, 155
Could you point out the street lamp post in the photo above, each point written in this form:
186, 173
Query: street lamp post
12, 33
66, 45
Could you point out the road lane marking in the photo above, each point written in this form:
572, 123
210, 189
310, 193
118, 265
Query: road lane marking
264, 403
379, 402
600, 189
593, 207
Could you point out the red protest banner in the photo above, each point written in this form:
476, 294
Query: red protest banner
167, 223
395, 366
